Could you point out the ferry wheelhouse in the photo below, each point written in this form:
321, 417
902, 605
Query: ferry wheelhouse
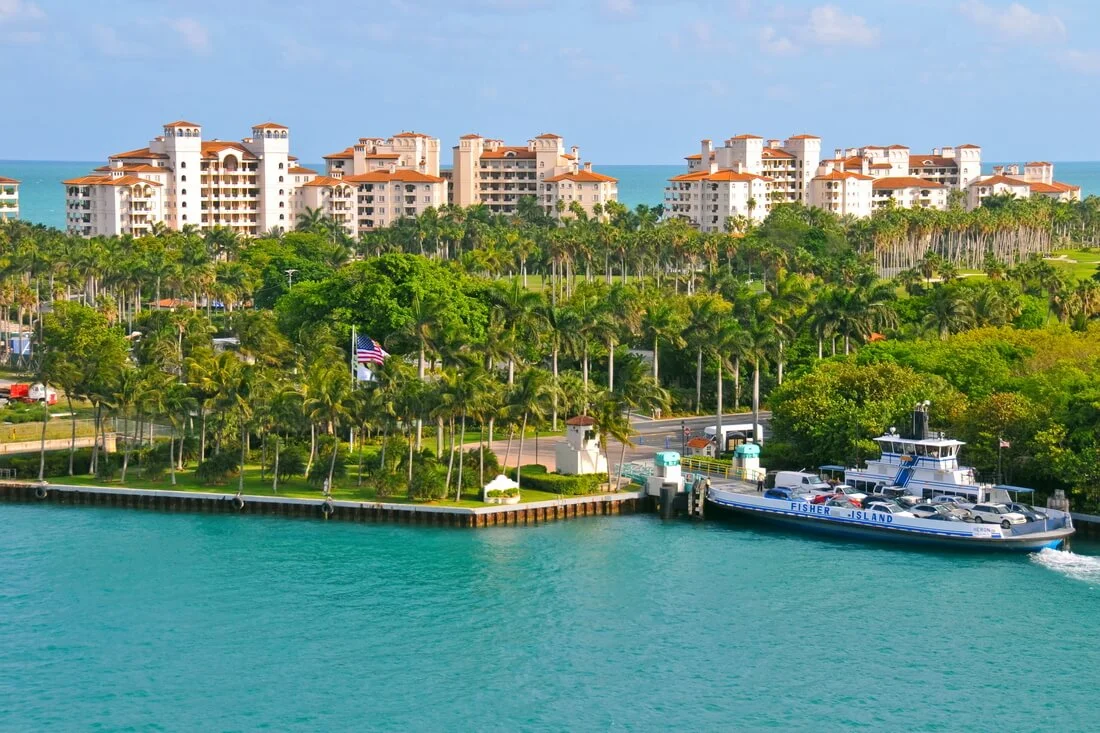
927, 465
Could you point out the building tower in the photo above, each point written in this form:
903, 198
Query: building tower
183, 146
271, 144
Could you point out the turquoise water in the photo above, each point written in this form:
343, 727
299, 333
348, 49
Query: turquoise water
124, 620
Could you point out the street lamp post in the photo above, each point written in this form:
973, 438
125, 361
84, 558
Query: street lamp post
290, 277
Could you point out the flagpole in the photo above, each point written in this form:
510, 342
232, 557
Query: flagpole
354, 360
1000, 445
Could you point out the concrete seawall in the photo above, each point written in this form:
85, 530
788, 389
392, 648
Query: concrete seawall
626, 502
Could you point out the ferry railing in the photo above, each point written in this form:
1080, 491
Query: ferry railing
712, 468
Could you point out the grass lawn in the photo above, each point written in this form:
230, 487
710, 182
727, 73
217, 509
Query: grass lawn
295, 488
1085, 262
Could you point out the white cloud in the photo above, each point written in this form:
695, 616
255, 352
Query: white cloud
775, 44
829, 26
12, 10
1083, 62
619, 7
1016, 22
193, 33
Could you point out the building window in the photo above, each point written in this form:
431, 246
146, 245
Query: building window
183, 204
282, 217
280, 204
280, 179
281, 192
183, 164
183, 179
184, 217
280, 166
183, 191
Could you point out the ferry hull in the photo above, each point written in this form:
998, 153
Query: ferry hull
731, 505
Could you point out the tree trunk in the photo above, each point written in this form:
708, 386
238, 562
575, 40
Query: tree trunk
202, 440
519, 456
275, 472
312, 446
419, 421
172, 456
699, 379
554, 367
737, 384
42, 442
461, 456
95, 439
755, 398
450, 460
611, 365
240, 474
332, 462
72, 439
718, 434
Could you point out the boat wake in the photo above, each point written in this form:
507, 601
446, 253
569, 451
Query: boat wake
1079, 567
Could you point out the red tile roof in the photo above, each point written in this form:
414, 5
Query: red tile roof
325, 182
776, 153
270, 126
932, 161
384, 176
1053, 187
1038, 162
211, 148
548, 136
970, 147
509, 151
410, 134
842, 176
726, 174
804, 137
299, 170
999, 180
698, 443
471, 136
139, 153
746, 137
107, 181
383, 156
345, 153
582, 177
7, 180
183, 123
896, 182
581, 420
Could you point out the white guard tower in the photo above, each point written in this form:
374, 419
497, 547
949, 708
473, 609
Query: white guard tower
580, 453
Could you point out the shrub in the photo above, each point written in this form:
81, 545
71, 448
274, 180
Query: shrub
57, 463
535, 476
154, 463
318, 472
292, 461
471, 476
218, 468
428, 480
388, 484
494, 494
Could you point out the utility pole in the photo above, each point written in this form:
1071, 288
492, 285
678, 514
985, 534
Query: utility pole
290, 277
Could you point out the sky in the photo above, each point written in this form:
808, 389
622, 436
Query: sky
629, 81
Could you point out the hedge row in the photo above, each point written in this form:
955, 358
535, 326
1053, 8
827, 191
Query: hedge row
57, 463
535, 476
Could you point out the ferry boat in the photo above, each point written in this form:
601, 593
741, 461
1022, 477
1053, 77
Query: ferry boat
927, 466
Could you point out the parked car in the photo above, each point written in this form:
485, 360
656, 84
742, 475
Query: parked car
888, 508
997, 514
946, 499
928, 510
891, 492
841, 501
946, 518
852, 499
1032, 514
780, 493
851, 492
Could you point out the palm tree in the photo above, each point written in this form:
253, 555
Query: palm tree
561, 332
662, 322
529, 398
705, 316
637, 391
329, 401
424, 325
467, 390
760, 337
947, 312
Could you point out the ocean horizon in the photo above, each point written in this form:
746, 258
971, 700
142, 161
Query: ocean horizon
42, 200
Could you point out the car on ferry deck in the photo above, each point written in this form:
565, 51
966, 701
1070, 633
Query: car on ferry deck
887, 508
1032, 514
949, 499
926, 510
997, 514
782, 494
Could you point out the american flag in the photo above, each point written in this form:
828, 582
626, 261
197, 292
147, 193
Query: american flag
368, 351
1004, 444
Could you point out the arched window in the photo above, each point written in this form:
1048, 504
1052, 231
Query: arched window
183, 164
179, 132
280, 192
183, 192
280, 179
283, 134
280, 166
183, 179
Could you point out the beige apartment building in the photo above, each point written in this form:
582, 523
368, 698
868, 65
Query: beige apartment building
1037, 179
486, 171
743, 178
181, 179
375, 182
908, 192
9, 198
